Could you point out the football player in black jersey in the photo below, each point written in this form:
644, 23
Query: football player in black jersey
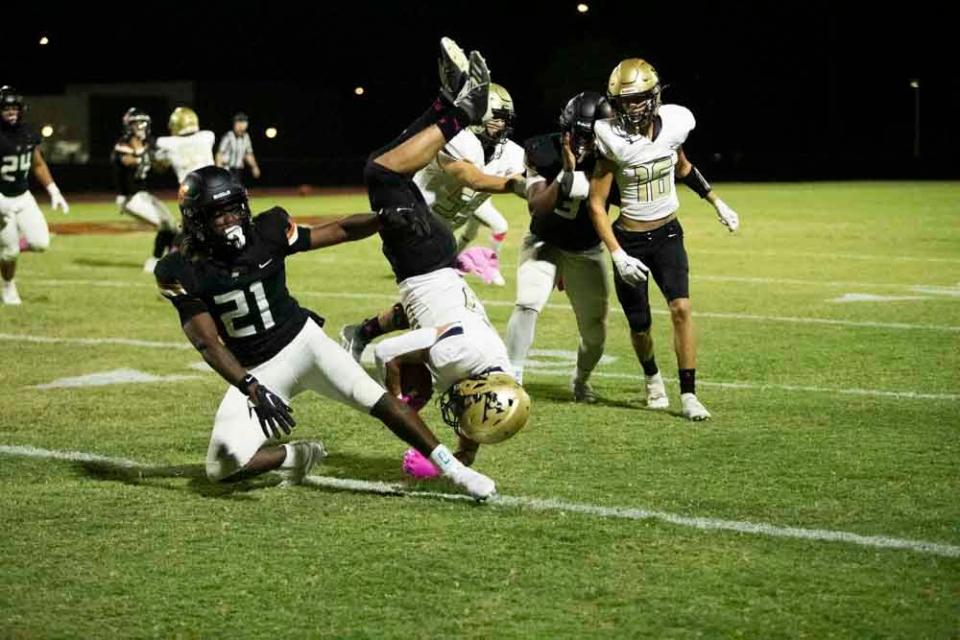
561, 245
19, 213
228, 284
132, 160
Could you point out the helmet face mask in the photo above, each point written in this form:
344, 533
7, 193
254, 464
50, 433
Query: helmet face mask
578, 117
486, 409
499, 120
12, 107
136, 123
636, 112
216, 213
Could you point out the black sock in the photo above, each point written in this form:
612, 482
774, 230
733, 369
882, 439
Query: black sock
649, 366
162, 241
451, 123
370, 329
688, 380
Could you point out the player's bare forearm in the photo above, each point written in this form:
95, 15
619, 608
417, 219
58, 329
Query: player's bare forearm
40, 169
542, 199
469, 175
600, 184
391, 377
355, 227
202, 334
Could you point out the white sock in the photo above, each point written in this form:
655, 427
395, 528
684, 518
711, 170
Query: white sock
292, 458
520, 332
445, 460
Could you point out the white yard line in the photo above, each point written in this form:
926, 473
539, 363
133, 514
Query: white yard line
899, 326
755, 386
556, 505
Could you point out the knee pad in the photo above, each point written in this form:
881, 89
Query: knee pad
639, 319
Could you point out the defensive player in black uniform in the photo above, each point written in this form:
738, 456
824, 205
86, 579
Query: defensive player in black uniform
19, 213
132, 160
228, 284
562, 246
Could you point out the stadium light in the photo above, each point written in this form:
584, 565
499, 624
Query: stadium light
359, 91
583, 7
47, 130
915, 85
271, 132
44, 41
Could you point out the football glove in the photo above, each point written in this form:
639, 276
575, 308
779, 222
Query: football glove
728, 217
56, 198
405, 218
631, 270
272, 412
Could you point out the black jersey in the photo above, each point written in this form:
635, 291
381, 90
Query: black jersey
255, 314
133, 178
16, 157
568, 226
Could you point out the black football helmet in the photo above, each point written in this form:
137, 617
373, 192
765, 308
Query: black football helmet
206, 195
137, 123
10, 97
578, 116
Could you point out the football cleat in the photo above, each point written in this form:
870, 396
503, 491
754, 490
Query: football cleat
473, 96
475, 483
10, 294
352, 340
309, 454
418, 466
582, 391
692, 409
454, 66
656, 392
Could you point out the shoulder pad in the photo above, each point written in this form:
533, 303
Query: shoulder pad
679, 120
171, 274
465, 146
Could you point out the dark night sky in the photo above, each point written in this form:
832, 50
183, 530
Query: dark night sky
774, 87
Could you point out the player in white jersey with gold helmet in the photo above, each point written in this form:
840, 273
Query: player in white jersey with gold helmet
458, 183
642, 148
187, 148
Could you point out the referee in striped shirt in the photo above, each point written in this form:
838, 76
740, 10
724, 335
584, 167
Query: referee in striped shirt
236, 149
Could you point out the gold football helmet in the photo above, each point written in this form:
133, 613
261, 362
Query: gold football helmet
499, 107
487, 409
634, 91
184, 120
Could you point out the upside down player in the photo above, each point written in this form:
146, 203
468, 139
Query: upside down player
451, 333
228, 284
132, 161
642, 148
561, 243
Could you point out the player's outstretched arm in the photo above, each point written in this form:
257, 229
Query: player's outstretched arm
42, 172
542, 199
348, 229
691, 176
470, 175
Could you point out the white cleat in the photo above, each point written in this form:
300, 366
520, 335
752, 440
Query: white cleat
150, 265
496, 278
454, 66
692, 409
582, 392
656, 392
472, 98
475, 483
352, 340
10, 294
309, 454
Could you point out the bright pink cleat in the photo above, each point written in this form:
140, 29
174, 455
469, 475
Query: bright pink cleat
416, 465
481, 261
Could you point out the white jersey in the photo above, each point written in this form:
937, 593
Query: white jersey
187, 153
469, 348
645, 168
445, 195
438, 298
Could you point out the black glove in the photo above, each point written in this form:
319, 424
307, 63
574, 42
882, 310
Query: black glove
405, 219
272, 412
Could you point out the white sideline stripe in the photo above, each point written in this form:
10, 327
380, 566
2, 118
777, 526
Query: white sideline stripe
551, 504
908, 395
505, 303
761, 386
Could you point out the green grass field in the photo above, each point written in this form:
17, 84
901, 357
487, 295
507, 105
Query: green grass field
828, 417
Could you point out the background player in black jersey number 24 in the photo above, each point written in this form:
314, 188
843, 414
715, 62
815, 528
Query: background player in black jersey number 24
229, 286
19, 213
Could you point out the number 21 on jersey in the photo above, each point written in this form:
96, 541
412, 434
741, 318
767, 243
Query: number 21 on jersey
238, 299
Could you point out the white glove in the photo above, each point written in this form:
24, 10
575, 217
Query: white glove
56, 198
631, 270
728, 217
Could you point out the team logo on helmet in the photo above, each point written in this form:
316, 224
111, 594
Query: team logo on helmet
487, 409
